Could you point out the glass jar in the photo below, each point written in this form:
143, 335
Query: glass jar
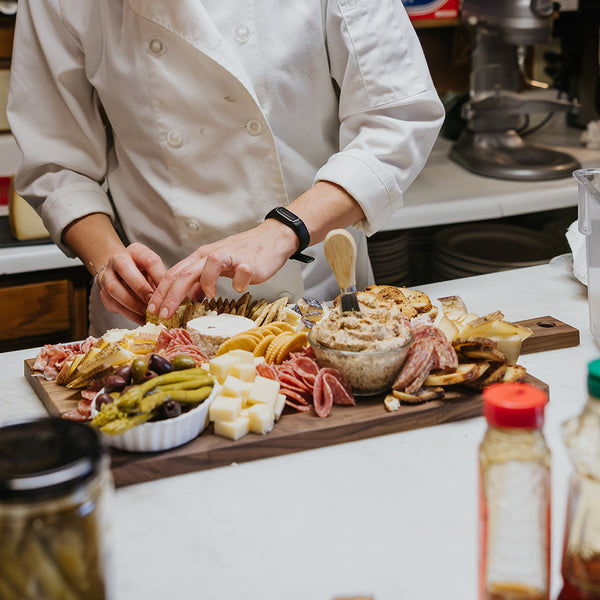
514, 495
581, 549
55, 491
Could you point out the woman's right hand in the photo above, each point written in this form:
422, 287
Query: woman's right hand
128, 280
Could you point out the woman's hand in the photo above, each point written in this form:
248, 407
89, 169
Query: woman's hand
128, 280
247, 258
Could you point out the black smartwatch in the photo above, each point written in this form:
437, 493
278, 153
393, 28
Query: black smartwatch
287, 217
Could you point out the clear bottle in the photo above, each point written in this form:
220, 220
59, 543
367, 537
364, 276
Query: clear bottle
514, 495
581, 550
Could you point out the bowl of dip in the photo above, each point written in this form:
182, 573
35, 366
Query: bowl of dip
368, 348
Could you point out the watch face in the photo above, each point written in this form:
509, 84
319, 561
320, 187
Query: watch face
287, 214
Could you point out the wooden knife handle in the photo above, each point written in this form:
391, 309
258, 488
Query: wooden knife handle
340, 252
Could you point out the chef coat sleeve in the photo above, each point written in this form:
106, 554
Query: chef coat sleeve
54, 115
389, 111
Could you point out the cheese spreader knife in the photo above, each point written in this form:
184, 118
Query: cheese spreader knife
340, 252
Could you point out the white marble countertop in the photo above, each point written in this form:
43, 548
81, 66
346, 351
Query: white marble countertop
390, 517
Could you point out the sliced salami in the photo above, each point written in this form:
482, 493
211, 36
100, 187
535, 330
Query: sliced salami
266, 370
75, 415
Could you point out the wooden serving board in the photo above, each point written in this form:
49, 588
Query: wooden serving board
295, 431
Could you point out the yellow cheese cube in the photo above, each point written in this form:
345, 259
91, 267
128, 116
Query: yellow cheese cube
291, 316
261, 418
264, 391
278, 406
225, 408
234, 430
232, 386
220, 366
244, 371
244, 412
243, 356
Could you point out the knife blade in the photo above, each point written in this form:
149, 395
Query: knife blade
340, 252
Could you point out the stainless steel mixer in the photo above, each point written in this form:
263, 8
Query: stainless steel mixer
496, 110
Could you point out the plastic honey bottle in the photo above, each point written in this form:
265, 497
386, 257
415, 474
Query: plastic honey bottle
581, 551
514, 495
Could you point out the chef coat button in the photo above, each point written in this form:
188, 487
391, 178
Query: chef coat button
242, 34
156, 46
254, 127
174, 138
192, 225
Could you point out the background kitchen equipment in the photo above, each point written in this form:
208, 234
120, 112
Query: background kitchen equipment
496, 111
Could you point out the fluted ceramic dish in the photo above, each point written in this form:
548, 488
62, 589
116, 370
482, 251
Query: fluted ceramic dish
165, 434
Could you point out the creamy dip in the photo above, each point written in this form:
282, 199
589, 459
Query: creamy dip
372, 330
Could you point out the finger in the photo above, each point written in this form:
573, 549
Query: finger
217, 263
114, 307
243, 277
174, 287
129, 273
149, 262
115, 289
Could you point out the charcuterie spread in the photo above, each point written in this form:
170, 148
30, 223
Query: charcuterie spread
249, 361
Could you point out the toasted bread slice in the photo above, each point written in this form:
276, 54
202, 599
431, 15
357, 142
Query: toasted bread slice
420, 300
479, 349
463, 373
425, 394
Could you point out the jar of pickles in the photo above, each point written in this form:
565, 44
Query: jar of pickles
55, 491
581, 551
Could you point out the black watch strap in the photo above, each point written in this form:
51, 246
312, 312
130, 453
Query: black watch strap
287, 217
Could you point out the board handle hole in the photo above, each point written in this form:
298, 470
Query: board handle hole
547, 324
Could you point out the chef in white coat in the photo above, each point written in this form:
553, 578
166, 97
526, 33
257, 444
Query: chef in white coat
157, 137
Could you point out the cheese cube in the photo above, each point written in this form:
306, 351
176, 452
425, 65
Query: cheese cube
291, 316
234, 430
220, 366
225, 408
264, 391
243, 356
244, 412
278, 406
261, 418
232, 386
244, 371
258, 360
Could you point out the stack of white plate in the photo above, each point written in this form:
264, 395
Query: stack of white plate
477, 248
390, 257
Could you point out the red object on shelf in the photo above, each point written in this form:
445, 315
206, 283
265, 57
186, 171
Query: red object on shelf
431, 9
4, 190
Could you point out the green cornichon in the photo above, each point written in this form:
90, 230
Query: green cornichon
134, 395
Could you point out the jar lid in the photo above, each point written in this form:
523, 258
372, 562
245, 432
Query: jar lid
47, 458
514, 405
593, 380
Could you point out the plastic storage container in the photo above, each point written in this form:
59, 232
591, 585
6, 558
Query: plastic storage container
514, 498
55, 490
581, 552
589, 225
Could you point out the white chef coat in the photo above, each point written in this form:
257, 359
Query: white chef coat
200, 116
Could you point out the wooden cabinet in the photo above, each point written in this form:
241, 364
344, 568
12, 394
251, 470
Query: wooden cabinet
43, 308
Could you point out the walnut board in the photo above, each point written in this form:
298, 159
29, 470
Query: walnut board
296, 431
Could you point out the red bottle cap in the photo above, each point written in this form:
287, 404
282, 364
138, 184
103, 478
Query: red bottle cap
514, 405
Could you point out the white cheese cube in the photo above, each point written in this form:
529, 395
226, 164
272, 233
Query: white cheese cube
220, 366
258, 360
264, 391
261, 418
243, 356
234, 430
278, 406
244, 412
244, 371
232, 386
225, 408
291, 316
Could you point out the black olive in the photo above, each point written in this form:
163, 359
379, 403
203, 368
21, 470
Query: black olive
170, 409
101, 399
114, 383
159, 364
125, 373
149, 374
